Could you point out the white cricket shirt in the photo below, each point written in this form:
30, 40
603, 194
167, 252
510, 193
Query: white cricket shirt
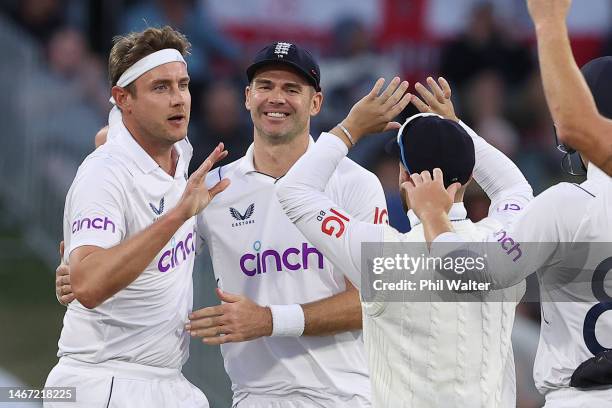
257, 252
575, 322
421, 354
119, 190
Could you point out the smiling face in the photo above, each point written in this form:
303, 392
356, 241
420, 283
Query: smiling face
281, 103
159, 107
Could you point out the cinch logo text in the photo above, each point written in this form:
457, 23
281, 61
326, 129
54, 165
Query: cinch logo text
508, 244
179, 253
96, 223
270, 259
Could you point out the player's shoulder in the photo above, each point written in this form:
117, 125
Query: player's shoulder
488, 225
106, 163
564, 198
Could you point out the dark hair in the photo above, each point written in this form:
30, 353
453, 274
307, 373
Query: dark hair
132, 47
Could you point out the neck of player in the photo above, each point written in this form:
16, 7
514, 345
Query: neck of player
275, 160
162, 152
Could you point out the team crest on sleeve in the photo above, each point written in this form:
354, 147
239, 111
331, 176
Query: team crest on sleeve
243, 219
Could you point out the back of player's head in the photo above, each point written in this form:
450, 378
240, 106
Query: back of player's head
427, 141
132, 47
598, 76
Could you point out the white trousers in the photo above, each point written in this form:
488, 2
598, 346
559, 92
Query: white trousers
117, 384
576, 398
295, 401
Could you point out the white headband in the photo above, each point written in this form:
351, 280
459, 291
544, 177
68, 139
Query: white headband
146, 64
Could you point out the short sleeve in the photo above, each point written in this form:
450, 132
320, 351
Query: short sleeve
95, 208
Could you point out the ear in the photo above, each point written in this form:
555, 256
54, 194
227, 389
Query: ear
122, 98
315, 103
247, 98
403, 174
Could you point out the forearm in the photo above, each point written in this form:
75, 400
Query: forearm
335, 314
494, 171
104, 272
309, 174
571, 104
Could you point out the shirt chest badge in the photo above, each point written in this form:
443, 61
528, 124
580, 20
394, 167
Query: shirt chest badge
243, 218
157, 210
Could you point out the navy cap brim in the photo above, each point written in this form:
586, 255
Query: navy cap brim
253, 68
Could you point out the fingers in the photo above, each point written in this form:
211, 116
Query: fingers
420, 105
219, 187
62, 280
435, 88
416, 179
61, 250
438, 176
377, 87
397, 95
426, 176
205, 323
401, 105
392, 126
427, 96
207, 312
445, 87
66, 299
227, 297
390, 89
210, 332
452, 190
407, 186
215, 341
217, 154
62, 270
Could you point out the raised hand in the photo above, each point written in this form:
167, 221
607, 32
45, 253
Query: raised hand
375, 112
196, 195
428, 196
543, 11
437, 99
431, 201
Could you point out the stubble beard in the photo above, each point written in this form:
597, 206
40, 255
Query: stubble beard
281, 138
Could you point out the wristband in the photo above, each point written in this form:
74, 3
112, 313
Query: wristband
287, 320
347, 133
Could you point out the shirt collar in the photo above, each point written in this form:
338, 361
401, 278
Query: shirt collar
145, 162
247, 164
456, 213
595, 174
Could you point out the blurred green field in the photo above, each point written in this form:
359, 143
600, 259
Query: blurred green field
30, 316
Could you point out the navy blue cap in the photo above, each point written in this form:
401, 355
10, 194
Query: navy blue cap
427, 141
287, 54
597, 74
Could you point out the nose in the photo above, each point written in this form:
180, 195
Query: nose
177, 97
277, 96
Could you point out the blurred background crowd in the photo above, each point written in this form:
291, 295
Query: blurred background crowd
55, 98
